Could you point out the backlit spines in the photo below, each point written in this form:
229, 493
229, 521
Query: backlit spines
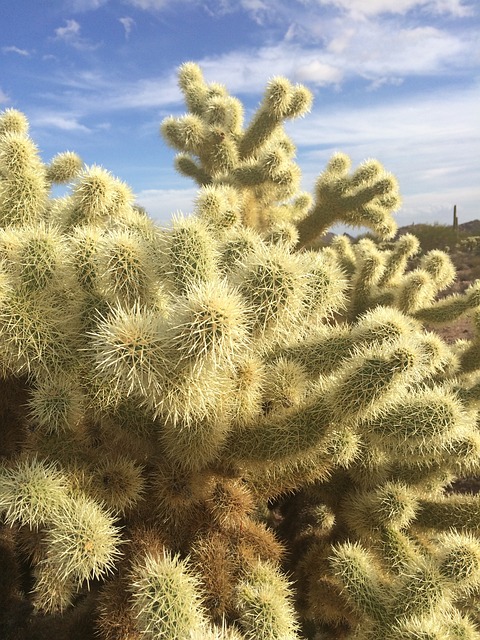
391, 506
83, 542
125, 265
193, 86
422, 424
35, 337
203, 410
128, 349
365, 198
64, 167
439, 265
282, 100
32, 491
370, 265
80, 541
417, 290
23, 185
36, 257
415, 602
369, 379
92, 196
274, 284
166, 597
216, 148
396, 260
451, 307
211, 326
364, 584
284, 436
266, 611
219, 205
13, 121
190, 253
18, 154
56, 404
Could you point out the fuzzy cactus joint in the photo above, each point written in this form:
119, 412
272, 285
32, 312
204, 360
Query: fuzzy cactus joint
225, 429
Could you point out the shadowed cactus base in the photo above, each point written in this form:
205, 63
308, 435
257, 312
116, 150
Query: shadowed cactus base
216, 430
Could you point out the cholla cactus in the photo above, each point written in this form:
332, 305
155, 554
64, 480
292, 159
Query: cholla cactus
213, 430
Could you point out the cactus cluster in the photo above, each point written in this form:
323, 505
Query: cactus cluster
215, 430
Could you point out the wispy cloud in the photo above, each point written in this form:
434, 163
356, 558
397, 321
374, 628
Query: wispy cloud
70, 34
431, 143
370, 39
442, 116
128, 24
392, 80
162, 203
64, 122
4, 98
263, 10
359, 8
392, 56
13, 49
85, 5
155, 5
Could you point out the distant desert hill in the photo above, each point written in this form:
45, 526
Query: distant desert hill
471, 228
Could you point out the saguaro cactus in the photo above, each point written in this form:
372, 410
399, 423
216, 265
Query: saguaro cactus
212, 430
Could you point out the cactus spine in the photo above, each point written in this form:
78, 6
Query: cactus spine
215, 430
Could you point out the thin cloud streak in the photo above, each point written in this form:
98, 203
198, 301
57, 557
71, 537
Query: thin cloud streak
431, 144
261, 10
442, 115
245, 72
128, 24
372, 65
64, 122
361, 8
17, 50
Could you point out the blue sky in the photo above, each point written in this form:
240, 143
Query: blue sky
396, 80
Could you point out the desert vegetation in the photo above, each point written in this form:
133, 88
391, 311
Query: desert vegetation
224, 429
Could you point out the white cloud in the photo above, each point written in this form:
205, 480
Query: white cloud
153, 5
58, 121
13, 49
397, 52
157, 92
85, 5
4, 99
431, 143
318, 73
162, 204
360, 8
247, 71
392, 56
70, 34
440, 116
263, 11
128, 24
